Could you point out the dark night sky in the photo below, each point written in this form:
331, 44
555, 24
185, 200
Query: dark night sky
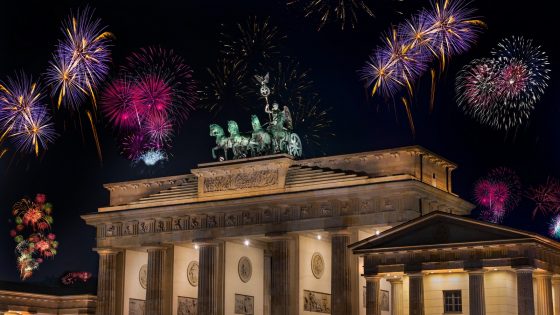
72, 176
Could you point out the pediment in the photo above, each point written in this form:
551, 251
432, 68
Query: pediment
440, 228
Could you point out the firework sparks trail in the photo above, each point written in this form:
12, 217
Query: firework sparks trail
546, 197
344, 12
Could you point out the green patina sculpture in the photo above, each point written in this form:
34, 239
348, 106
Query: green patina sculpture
277, 138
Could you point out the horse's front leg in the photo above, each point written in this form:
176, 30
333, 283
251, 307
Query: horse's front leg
214, 152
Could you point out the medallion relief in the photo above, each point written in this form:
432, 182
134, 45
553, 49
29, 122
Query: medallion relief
192, 273
143, 276
245, 269
317, 265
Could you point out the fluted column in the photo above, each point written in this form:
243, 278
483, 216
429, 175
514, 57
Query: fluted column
525, 300
107, 282
341, 303
477, 304
544, 293
396, 296
556, 294
208, 287
282, 283
416, 294
158, 290
373, 287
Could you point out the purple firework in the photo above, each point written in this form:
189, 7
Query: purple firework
81, 61
454, 27
380, 74
24, 118
119, 105
450, 28
135, 145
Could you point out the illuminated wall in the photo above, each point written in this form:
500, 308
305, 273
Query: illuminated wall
233, 284
132, 288
181, 286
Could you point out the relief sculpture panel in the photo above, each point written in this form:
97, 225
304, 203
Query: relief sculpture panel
257, 179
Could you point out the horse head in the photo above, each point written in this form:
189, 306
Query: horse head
233, 129
256, 123
216, 130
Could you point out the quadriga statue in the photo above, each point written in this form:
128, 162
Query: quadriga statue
276, 138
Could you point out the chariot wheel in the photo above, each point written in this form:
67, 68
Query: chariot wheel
294, 145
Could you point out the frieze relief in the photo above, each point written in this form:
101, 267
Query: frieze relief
146, 226
130, 228
256, 179
248, 216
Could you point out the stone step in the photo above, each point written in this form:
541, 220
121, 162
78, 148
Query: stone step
323, 174
303, 184
154, 199
322, 179
176, 191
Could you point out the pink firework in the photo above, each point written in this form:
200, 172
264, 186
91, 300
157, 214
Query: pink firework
514, 79
119, 105
159, 130
498, 193
153, 95
134, 145
546, 197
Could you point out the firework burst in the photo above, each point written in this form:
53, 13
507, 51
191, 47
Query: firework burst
156, 92
34, 242
81, 61
312, 121
24, 118
448, 29
554, 227
164, 81
255, 44
501, 92
498, 193
226, 86
476, 88
344, 12
546, 197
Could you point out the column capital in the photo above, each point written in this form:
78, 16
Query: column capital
415, 274
542, 274
339, 231
556, 279
278, 236
156, 246
475, 271
373, 277
107, 250
524, 269
206, 242
395, 280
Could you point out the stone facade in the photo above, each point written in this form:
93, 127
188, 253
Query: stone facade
275, 211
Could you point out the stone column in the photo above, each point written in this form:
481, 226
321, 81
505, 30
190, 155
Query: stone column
544, 293
341, 303
373, 304
208, 285
396, 296
525, 299
416, 294
556, 294
282, 283
477, 302
266, 281
159, 287
107, 282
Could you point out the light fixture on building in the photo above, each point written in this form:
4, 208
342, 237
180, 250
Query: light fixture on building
495, 269
196, 246
319, 237
246, 242
377, 232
